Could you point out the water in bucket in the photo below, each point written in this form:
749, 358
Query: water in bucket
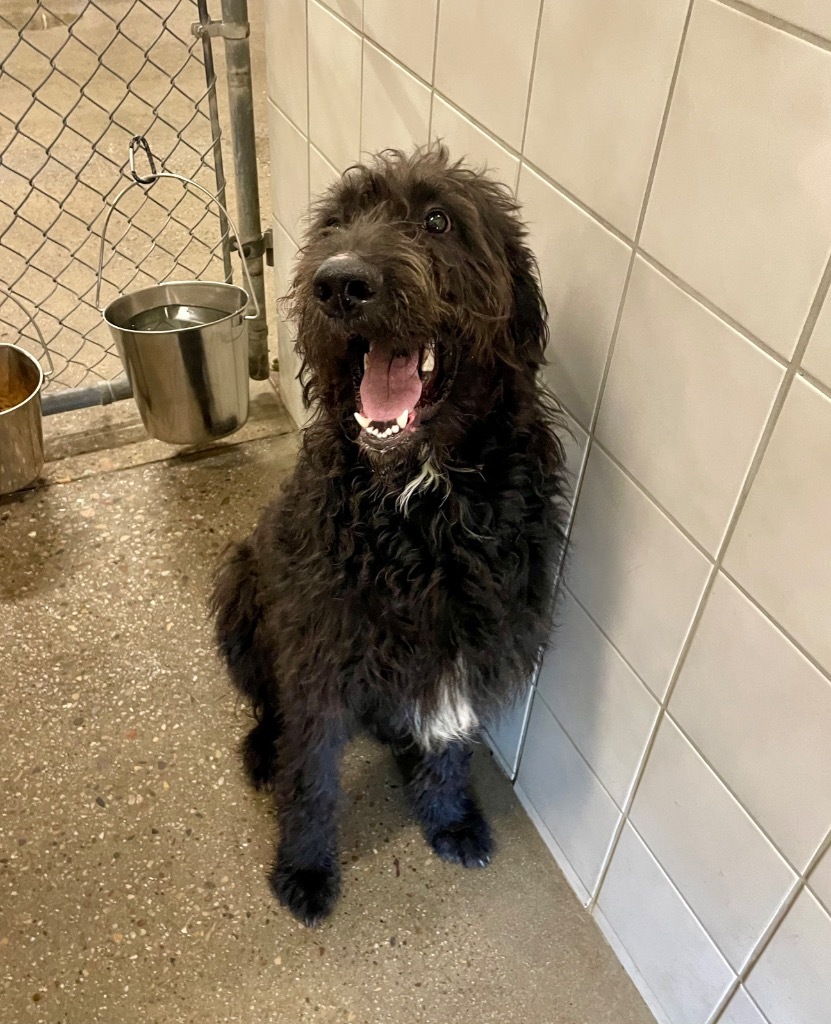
174, 317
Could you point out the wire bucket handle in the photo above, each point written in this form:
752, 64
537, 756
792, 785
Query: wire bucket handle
13, 298
139, 142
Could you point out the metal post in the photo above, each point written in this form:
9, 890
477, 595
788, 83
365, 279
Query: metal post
241, 109
213, 113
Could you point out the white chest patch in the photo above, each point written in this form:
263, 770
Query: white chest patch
454, 719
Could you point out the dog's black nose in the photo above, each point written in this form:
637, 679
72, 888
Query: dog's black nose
345, 284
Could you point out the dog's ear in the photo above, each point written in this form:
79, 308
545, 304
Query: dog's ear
529, 316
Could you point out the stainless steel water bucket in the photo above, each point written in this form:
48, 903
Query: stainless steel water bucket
21, 430
184, 344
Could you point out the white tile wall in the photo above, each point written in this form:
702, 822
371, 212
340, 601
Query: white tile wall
677, 962
406, 29
742, 1010
335, 52
322, 174
682, 375
792, 981
505, 736
285, 250
289, 184
600, 87
485, 49
396, 105
567, 796
821, 881
719, 859
761, 715
600, 702
700, 437
576, 446
349, 10
637, 576
463, 137
285, 20
741, 208
583, 268
780, 549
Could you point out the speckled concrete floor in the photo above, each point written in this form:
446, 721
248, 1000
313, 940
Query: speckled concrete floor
132, 856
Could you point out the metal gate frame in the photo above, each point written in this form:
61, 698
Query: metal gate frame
234, 29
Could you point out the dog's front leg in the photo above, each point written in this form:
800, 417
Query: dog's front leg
439, 787
306, 874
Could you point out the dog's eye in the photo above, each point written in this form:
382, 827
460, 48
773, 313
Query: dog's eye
437, 222
332, 222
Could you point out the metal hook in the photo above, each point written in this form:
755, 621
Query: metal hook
139, 142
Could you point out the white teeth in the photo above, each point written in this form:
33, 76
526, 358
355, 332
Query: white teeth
428, 363
394, 428
365, 358
401, 422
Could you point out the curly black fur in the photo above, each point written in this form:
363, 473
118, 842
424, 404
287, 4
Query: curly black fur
389, 582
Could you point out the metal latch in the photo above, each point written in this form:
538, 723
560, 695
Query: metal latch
221, 28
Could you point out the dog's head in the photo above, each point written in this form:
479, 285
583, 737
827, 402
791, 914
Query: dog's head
417, 302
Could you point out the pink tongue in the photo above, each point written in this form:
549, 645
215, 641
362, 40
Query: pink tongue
388, 388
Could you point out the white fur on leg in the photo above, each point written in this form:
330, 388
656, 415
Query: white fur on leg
454, 719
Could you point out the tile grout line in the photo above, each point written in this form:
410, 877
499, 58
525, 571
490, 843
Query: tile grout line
532, 688
308, 132
593, 425
772, 21
532, 72
770, 931
815, 382
432, 82
362, 36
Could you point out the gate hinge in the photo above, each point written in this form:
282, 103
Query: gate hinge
255, 247
221, 28
268, 245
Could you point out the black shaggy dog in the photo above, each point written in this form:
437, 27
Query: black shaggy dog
402, 581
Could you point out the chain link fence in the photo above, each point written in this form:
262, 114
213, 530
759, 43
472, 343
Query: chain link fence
78, 79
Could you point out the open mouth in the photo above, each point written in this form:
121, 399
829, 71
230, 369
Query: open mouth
395, 395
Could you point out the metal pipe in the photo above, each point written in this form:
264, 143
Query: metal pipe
105, 393
241, 111
216, 132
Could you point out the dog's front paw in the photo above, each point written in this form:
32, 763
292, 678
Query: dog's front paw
468, 842
309, 893
259, 756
